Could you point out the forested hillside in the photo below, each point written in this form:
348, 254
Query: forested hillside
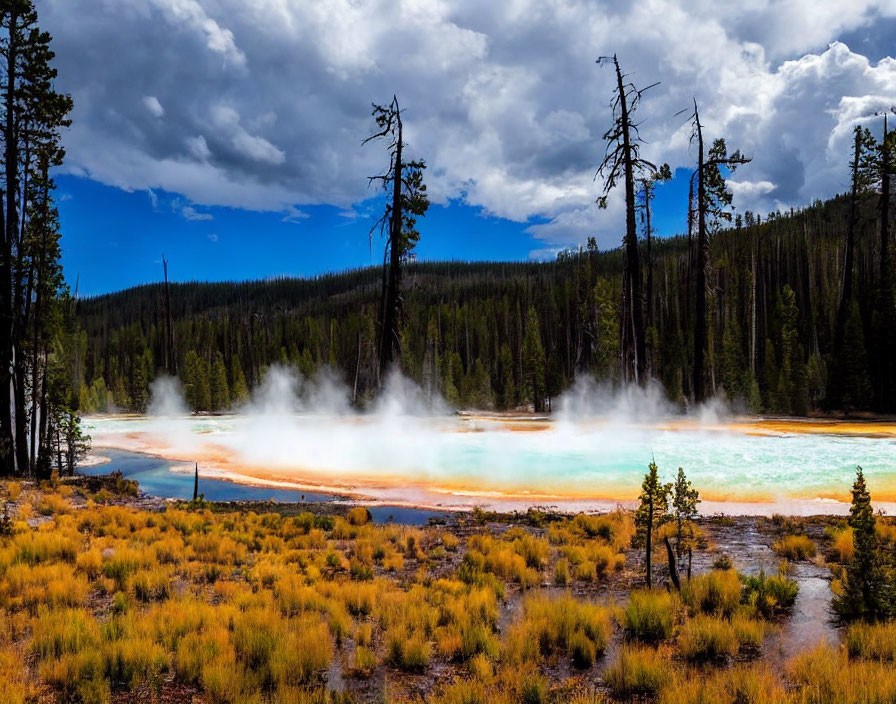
504, 335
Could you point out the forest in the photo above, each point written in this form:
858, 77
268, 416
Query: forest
506, 335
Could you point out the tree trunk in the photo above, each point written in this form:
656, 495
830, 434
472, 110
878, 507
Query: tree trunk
849, 256
699, 380
635, 359
7, 395
673, 566
649, 556
390, 343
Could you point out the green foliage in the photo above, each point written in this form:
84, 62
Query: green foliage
219, 390
197, 391
534, 362
652, 512
864, 586
684, 502
769, 596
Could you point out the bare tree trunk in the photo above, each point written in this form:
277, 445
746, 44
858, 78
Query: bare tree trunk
390, 343
10, 227
700, 293
637, 352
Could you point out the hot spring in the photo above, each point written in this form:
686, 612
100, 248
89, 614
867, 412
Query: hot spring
591, 454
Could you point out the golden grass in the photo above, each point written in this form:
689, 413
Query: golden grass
650, 615
795, 547
638, 671
842, 545
756, 684
254, 608
707, 638
715, 593
872, 641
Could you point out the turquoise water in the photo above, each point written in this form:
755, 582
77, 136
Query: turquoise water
591, 458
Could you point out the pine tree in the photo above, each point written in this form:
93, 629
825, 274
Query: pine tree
534, 361
792, 385
771, 378
219, 390
864, 586
196, 384
607, 350
684, 500
139, 386
713, 201
239, 391
652, 513
508, 394
855, 387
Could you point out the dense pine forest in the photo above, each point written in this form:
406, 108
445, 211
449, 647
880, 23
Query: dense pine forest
506, 335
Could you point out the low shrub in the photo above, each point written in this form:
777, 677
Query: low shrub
769, 596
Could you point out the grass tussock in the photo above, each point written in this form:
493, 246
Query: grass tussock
638, 671
717, 593
872, 641
795, 547
554, 627
650, 615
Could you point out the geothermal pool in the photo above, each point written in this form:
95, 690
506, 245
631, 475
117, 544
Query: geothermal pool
740, 466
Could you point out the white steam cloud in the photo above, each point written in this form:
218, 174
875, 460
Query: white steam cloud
405, 447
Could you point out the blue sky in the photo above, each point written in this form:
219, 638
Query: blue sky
114, 239
227, 133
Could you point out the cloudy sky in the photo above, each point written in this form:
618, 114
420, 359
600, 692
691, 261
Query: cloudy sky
227, 133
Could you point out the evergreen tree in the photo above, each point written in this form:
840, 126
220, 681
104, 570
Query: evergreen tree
863, 172
652, 512
713, 202
855, 388
196, 384
607, 350
219, 390
480, 394
239, 391
792, 387
863, 586
507, 388
684, 502
534, 362
139, 386
39, 378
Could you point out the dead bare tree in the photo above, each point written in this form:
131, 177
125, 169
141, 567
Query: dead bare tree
403, 180
622, 161
713, 201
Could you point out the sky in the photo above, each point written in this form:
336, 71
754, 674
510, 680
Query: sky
227, 134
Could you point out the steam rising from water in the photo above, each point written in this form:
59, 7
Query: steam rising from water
597, 444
